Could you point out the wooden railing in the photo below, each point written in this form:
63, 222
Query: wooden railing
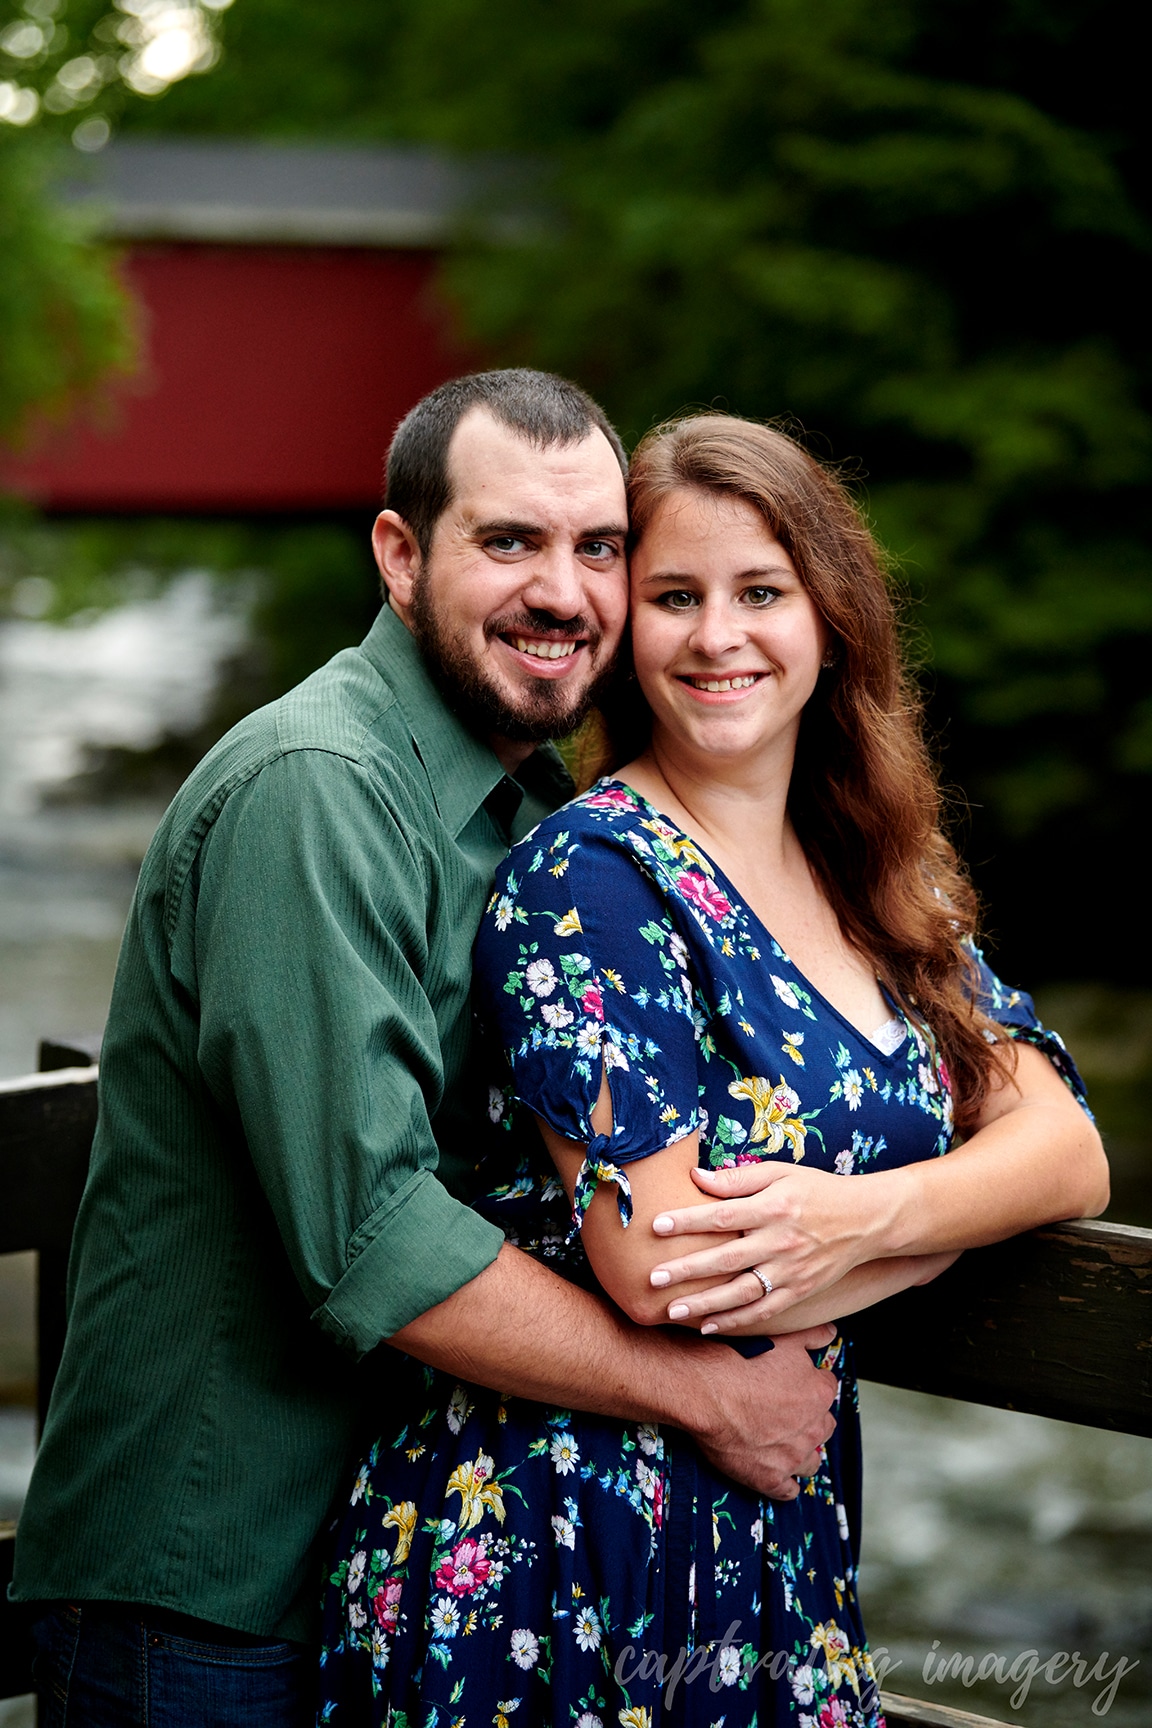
1057, 1322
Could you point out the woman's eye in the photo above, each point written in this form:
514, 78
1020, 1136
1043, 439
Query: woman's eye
677, 599
760, 596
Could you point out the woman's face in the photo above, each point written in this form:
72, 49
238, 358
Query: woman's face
727, 640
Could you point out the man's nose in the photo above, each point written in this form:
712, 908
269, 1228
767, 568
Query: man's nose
556, 584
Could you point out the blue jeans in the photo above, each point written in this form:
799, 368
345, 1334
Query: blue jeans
107, 1665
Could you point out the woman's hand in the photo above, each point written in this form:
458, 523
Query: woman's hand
858, 1289
804, 1229
1035, 1157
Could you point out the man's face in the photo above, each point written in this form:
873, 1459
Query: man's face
520, 605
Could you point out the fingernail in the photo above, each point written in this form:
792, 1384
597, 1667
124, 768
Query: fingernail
662, 1224
678, 1311
709, 1326
661, 1278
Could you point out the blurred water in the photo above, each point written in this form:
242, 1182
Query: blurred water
986, 1532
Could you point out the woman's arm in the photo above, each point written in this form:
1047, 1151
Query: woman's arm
624, 1259
1034, 1158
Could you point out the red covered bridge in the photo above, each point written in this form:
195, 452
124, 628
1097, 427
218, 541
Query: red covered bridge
287, 320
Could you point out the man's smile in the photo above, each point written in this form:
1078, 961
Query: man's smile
545, 650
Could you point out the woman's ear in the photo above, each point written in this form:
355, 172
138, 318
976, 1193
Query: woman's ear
397, 557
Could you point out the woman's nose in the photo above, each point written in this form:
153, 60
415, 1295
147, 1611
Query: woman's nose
716, 630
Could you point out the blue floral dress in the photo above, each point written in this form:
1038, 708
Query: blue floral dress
499, 1562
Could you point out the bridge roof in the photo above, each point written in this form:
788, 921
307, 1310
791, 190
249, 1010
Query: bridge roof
244, 192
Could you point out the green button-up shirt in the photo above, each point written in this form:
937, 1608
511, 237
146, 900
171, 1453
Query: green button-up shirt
280, 1161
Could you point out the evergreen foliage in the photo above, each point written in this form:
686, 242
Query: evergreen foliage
916, 229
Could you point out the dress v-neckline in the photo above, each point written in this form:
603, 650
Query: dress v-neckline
753, 919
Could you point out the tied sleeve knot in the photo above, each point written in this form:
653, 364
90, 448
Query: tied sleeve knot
596, 1168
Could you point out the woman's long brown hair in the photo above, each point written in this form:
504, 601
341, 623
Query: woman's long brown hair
864, 798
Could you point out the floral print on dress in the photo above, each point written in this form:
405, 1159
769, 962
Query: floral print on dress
499, 1562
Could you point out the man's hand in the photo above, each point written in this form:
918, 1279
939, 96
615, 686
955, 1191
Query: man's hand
519, 1328
771, 1415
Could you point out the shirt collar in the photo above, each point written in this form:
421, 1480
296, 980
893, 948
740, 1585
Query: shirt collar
462, 769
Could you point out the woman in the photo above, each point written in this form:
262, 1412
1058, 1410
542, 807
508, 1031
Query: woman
746, 948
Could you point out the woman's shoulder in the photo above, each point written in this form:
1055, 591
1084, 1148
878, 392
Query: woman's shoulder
596, 839
607, 811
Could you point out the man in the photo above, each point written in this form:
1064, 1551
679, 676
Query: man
278, 1172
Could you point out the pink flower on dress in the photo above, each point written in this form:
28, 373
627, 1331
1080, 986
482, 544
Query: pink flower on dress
704, 894
592, 1002
466, 1570
611, 798
386, 1603
833, 1714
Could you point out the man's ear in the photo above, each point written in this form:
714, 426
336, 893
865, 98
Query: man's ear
397, 558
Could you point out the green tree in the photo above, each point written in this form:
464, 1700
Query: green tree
71, 69
916, 228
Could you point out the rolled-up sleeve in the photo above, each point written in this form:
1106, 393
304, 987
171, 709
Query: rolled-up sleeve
313, 894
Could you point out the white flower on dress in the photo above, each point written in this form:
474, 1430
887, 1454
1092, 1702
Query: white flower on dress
525, 1648
565, 1531
379, 1648
613, 1057
460, 1407
647, 1478
357, 1615
557, 1015
587, 1629
360, 1486
588, 1038
927, 1078
504, 911
678, 949
853, 1089
804, 1684
357, 1567
540, 977
758, 1531
648, 1438
785, 992
844, 1162
446, 1618
728, 1665
565, 1454
587, 1720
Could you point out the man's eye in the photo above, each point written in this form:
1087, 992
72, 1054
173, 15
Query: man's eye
599, 549
505, 543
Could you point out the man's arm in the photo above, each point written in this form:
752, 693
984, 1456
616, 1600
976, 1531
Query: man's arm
522, 1329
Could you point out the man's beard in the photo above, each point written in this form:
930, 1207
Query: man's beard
545, 709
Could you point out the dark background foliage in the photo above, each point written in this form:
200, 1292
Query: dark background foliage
916, 229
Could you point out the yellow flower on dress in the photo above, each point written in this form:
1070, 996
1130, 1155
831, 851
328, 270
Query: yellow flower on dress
636, 1717
403, 1515
775, 1122
837, 1653
473, 1482
503, 1710
569, 925
791, 1047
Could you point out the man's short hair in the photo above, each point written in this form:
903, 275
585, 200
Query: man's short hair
541, 407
